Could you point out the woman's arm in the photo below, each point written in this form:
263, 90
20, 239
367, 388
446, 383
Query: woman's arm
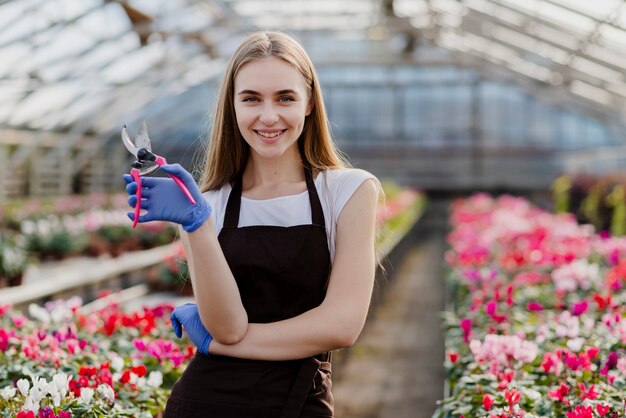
338, 321
215, 289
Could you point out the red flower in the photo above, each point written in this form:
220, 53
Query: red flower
602, 302
454, 357
512, 396
125, 376
602, 409
587, 393
560, 393
22, 414
580, 412
487, 402
139, 370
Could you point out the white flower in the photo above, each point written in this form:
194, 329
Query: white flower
575, 344
86, 395
60, 384
30, 404
23, 385
117, 362
39, 313
155, 379
8, 392
107, 392
40, 384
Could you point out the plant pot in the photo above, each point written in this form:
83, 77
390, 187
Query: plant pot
15, 280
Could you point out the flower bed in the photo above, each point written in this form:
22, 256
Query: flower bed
37, 230
536, 326
63, 362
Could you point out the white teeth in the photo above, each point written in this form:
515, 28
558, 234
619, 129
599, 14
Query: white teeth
269, 134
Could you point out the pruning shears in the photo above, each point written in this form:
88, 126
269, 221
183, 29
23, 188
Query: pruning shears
147, 163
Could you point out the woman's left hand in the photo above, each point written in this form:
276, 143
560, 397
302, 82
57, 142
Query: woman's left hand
163, 199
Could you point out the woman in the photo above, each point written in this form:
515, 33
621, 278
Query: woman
280, 245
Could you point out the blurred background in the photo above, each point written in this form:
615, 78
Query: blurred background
438, 98
438, 94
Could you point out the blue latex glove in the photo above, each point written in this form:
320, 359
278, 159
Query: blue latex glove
165, 201
188, 316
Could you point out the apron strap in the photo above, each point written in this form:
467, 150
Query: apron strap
231, 218
317, 214
300, 388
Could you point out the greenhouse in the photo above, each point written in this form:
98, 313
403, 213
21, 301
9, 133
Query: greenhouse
497, 129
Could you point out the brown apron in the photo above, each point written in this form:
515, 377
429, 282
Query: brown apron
281, 272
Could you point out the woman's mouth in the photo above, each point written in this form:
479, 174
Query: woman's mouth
269, 137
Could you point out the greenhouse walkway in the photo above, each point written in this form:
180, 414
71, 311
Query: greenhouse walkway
396, 368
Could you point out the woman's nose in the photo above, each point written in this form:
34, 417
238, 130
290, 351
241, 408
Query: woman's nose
269, 115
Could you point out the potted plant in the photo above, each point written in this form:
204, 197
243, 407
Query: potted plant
13, 262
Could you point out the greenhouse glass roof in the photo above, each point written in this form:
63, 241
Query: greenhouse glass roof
86, 66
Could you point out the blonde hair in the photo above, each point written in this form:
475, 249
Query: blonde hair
228, 152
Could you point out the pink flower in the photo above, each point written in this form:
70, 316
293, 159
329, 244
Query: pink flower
5, 308
503, 349
139, 344
534, 306
4, 340
19, 320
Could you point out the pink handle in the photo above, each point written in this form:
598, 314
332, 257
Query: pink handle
135, 174
183, 188
160, 161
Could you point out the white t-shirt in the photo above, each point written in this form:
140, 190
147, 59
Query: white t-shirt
334, 188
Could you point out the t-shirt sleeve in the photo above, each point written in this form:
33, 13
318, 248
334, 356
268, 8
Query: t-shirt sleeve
343, 185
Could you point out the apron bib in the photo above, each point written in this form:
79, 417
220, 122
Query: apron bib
281, 272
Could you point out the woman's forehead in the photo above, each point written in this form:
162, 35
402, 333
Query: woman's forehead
269, 75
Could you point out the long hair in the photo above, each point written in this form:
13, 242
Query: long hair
228, 152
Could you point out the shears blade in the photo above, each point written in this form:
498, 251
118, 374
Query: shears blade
142, 140
130, 145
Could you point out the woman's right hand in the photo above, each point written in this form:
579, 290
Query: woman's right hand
188, 316
163, 199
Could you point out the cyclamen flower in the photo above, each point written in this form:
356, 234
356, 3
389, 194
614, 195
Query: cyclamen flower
580, 411
155, 379
577, 274
621, 366
86, 395
503, 348
568, 325
487, 402
107, 392
8, 392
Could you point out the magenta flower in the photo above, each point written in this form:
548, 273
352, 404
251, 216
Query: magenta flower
466, 326
580, 308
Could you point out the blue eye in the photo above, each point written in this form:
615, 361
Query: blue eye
249, 99
287, 99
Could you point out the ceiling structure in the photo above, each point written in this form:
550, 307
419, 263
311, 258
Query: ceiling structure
71, 68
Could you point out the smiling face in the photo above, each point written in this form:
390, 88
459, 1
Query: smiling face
271, 103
